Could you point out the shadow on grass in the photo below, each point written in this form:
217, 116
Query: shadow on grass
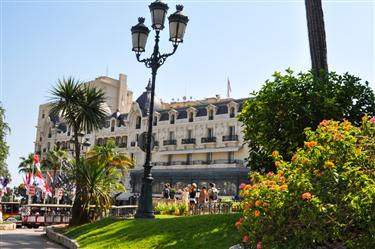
208, 231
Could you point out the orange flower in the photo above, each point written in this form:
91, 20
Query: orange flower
249, 205
306, 195
277, 164
275, 153
258, 203
310, 144
305, 161
266, 204
282, 179
257, 213
284, 186
280, 172
338, 137
294, 157
328, 164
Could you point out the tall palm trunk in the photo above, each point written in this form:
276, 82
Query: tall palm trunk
317, 35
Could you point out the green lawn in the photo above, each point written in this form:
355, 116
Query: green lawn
206, 231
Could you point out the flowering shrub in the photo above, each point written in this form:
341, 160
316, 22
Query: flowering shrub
324, 195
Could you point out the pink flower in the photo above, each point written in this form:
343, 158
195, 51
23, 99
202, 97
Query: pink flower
270, 173
242, 185
259, 245
245, 239
372, 120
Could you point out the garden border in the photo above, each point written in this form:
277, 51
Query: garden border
60, 238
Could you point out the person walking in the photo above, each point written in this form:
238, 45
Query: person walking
203, 198
192, 197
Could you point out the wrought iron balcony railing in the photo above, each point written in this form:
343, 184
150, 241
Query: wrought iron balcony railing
188, 141
170, 142
208, 140
230, 138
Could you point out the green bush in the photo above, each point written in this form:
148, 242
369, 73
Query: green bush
171, 208
324, 195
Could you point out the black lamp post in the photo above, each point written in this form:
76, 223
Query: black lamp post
177, 26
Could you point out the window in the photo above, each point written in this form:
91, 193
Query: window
231, 130
209, 157
169, 159
136, 138
190, 134
138, 123
43, 115
171, 135
231, 113
191, 116
189, 159
211, 115
172, 119
230, 156
107, 124
210, 132
155, 123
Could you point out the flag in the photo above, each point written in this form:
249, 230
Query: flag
30, 179
36, 161
25, 181
229, 89
42, 184
50, 177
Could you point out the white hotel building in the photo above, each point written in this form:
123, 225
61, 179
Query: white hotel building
197, 141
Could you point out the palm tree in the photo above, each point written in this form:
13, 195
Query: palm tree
26, 165
53, 162
317, 35
82, 108
109, 156
98, 184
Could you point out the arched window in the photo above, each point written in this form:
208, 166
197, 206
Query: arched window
138, 123
172, 119
232, 112
155, 122
191, 116
211, 115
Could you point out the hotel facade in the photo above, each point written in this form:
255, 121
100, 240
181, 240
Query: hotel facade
197, 141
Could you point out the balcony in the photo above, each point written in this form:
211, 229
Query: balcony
123, 145
208, 140
188, 141
170, 142
230, 138
201, 162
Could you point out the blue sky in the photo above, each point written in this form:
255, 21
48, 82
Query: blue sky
42, 41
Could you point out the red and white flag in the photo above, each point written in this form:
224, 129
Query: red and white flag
50, 177
42, 184
36, 161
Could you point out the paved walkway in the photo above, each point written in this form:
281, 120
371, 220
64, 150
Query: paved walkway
26, 239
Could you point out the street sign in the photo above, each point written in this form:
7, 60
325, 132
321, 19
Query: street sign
31, 190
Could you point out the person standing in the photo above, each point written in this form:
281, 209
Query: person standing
166, 191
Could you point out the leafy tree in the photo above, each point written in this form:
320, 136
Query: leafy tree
82, 108
4, 148
21, 192
276, 116
324, 197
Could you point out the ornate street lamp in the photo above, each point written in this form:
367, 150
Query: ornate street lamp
177, 26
